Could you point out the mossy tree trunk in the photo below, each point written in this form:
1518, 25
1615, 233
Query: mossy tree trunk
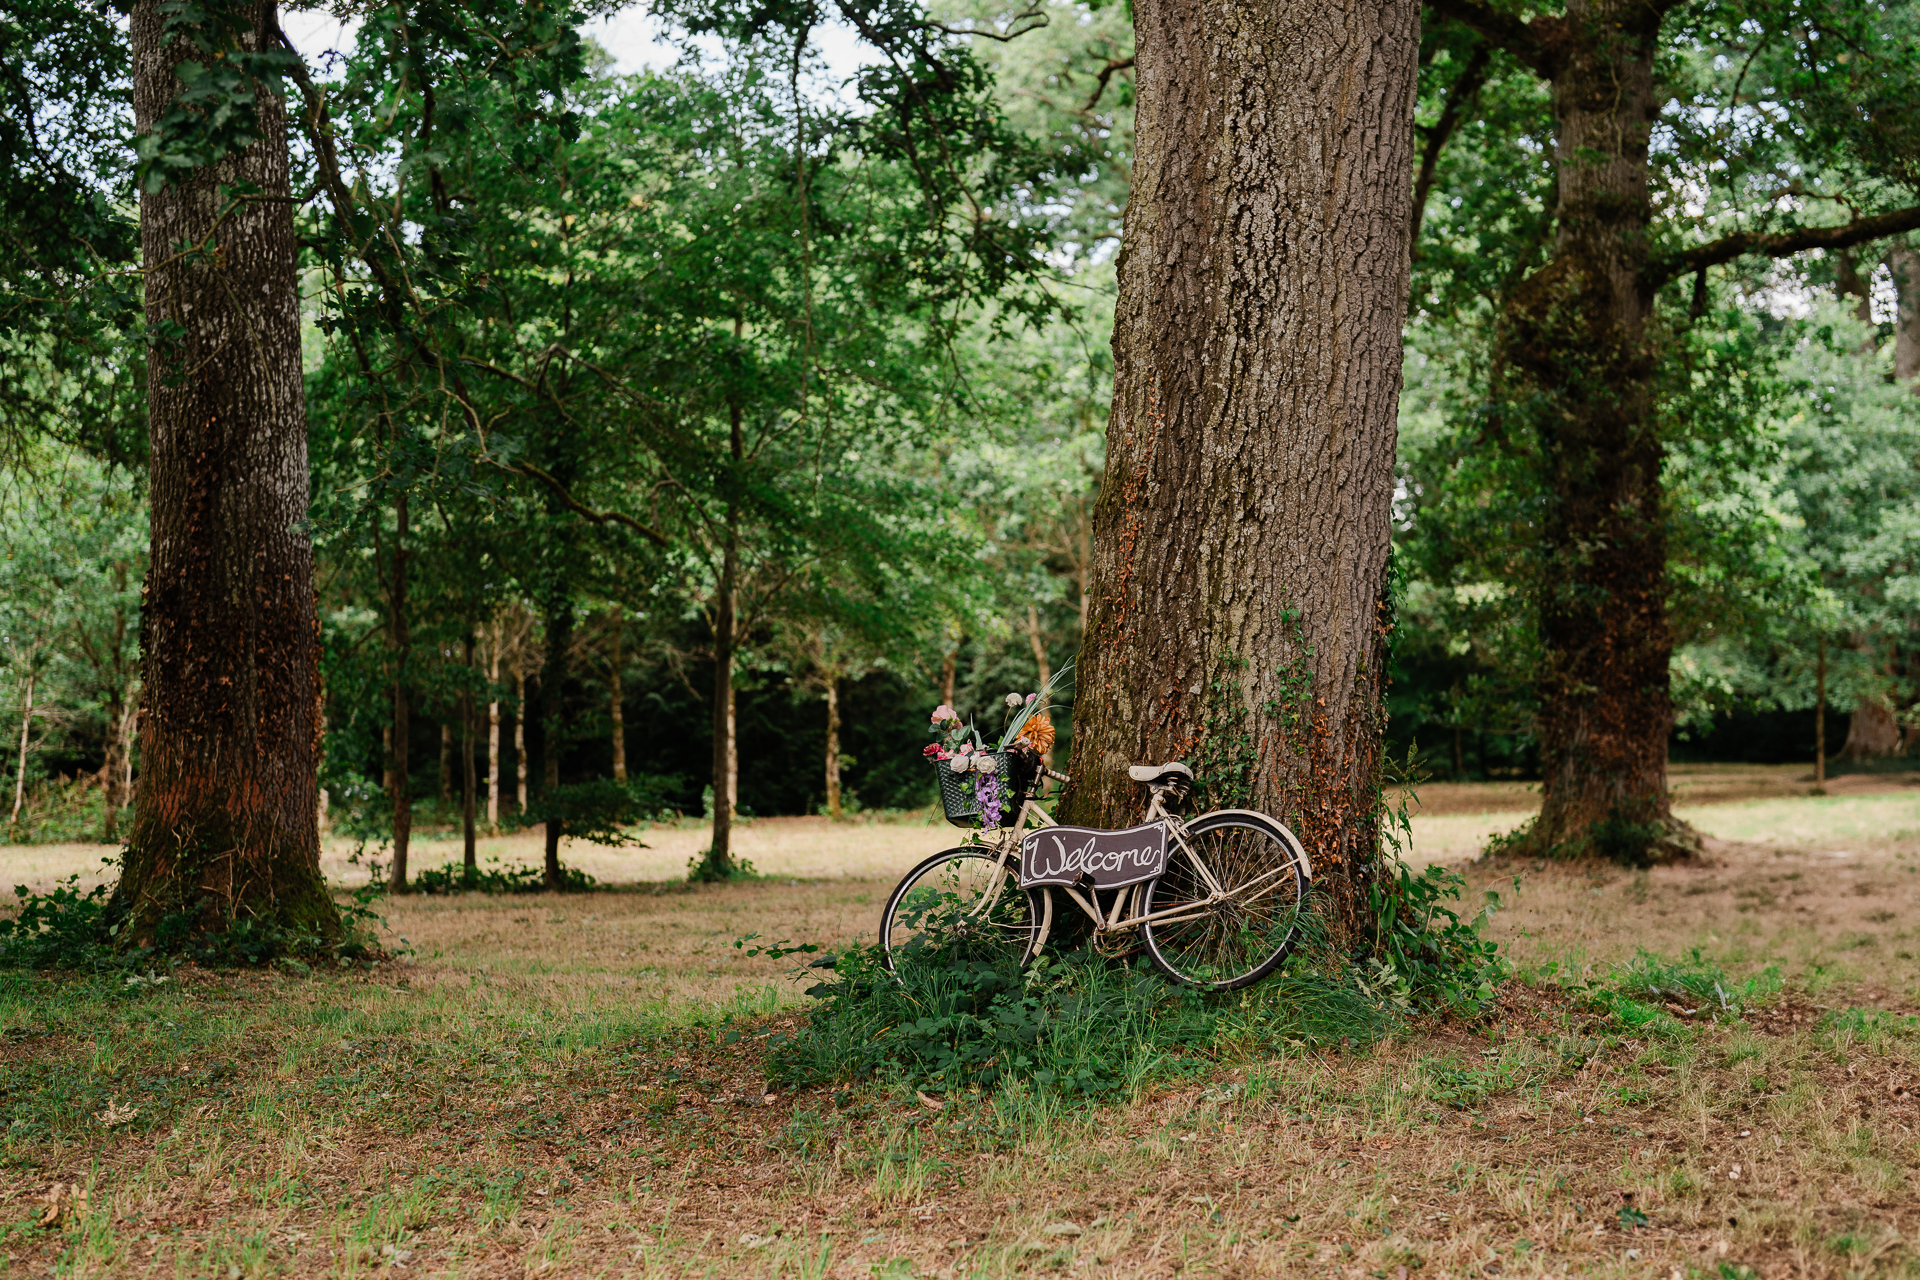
225, 819
1577, 350
1239, 570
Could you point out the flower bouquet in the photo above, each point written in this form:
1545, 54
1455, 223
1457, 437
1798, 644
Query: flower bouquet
982, 785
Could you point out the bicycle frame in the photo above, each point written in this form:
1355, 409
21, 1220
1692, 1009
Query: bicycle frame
1033, 817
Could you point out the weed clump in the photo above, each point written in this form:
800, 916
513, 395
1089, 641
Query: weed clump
68, 928
1093, 1026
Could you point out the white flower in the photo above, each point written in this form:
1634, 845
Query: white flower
1014, 700
984, 763
960, 764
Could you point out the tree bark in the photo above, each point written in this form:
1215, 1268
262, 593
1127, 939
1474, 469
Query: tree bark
402, 640
948, 661
616, 699
559, 629
1577, 356
831, 683
224, 826
1242, 533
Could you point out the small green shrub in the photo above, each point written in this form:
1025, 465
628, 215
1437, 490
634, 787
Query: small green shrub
453, 877
1079, 1024
57, 930
1436, 960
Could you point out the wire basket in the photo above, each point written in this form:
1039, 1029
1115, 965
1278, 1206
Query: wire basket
963, 807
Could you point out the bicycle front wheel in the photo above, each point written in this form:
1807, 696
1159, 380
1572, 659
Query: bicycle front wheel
959, 904
1229, 903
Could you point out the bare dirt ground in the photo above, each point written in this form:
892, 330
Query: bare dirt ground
553, 1087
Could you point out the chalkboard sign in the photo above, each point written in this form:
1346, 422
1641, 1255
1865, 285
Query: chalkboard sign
1110, 859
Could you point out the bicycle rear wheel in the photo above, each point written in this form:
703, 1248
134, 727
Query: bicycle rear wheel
1262, 877
959, 904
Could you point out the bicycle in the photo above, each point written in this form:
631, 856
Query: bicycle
992, 899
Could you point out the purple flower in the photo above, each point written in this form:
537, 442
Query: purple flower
986, 790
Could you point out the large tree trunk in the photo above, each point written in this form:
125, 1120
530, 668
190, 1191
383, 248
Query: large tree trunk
553, 713
1871, 731
225, 824
1577, 354
1242, 535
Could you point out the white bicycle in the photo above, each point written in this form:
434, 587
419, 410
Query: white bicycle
1214, 901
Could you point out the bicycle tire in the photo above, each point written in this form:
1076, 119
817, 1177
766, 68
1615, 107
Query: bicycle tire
929, 911
1241, 940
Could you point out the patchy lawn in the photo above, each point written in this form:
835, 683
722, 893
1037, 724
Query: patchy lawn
576, 1086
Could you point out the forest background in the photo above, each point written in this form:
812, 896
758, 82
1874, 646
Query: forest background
559, 603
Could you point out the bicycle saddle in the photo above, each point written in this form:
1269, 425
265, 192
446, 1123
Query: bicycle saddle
1159, 772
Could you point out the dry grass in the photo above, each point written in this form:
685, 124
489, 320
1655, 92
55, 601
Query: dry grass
548, 1089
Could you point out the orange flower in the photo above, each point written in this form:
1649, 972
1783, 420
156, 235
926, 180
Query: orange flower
1039, 731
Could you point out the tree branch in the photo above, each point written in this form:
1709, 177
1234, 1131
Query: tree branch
1106, 74
579, 508
1458, 96
1781, 244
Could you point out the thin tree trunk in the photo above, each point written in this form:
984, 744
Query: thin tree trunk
553, 680
224, 826
719, 863
470, 859
1849, 283
726, 760
832, 685
1242, 532
402, 651
1820, 723
446, 764
948, 661
616, 698
129, 721
493, 752
110, 770
1039, 644
520, 740
1904, 262
20, 765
